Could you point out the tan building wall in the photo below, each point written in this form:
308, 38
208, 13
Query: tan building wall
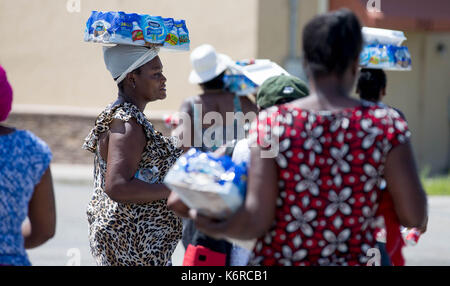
273, 23
436, 125
403, 90
48, 62
423, 94
273, 36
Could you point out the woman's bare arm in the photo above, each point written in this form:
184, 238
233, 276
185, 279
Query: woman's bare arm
41, 213
125, 146
405, 187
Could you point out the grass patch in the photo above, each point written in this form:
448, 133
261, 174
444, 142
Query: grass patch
437, 186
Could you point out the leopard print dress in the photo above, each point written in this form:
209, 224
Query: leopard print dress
131, 234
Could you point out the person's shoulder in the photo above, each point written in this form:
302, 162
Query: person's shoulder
126, 108
387, 118
216, 101
191, 100
28, 135
127, 113
269, 112
188, 103
271, 116
394, 113
120, 125
304, 103
31, 142
4, 130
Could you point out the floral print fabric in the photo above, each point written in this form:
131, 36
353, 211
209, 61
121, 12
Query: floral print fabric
330, 170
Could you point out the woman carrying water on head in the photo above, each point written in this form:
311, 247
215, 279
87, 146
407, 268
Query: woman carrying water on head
129, 223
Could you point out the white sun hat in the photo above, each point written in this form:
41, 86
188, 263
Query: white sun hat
207, 64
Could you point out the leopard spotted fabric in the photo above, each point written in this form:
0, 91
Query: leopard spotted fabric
131, 234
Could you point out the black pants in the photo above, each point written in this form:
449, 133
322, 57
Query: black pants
385, 260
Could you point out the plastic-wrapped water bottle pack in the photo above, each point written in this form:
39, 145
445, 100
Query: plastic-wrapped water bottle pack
214, 186
383, 50
137, 29
245, 76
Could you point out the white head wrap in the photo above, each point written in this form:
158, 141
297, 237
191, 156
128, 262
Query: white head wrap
123, 59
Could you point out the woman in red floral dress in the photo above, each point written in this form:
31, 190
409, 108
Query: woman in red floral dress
315, 202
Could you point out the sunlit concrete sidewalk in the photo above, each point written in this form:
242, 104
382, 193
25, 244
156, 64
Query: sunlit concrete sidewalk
73, 174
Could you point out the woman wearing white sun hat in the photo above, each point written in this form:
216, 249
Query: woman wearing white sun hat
209, 68
207, 64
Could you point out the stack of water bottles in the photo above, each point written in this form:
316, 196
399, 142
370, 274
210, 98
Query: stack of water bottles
245, 76
137, 29
212, 185
235, 80
383, 50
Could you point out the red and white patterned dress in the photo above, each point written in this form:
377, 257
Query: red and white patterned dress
330, 172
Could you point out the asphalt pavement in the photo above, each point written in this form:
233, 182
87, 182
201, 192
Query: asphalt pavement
70, 245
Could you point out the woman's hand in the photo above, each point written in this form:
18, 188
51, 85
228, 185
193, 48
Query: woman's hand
175, 204
210, 226
423, 228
